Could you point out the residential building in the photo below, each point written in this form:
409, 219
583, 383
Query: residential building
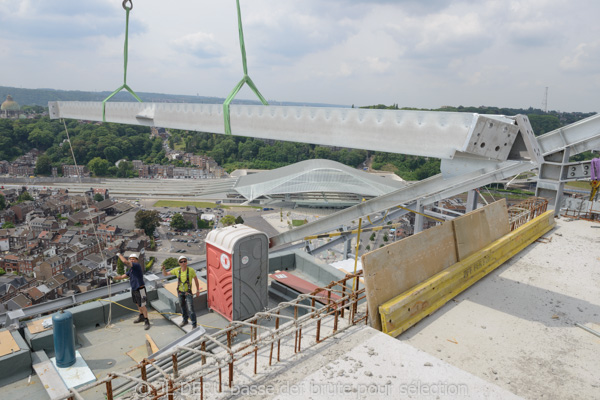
75, 171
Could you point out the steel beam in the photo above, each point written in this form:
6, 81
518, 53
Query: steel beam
581, 136
424, 133
428, 190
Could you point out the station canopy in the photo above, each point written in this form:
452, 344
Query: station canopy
314, 176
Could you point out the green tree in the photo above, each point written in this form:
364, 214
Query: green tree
171, 263
43, 166
25, 196
41, 138
125, 170
7, 225
113, 154
98, 197
203, 224
2, 271
228, 220
239, 220
147, 220
98, 166
177, 222
2, 202
120, 267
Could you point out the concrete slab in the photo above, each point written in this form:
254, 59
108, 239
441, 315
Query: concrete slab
76, 375
380, 367
515, 327
359, 363
50, 379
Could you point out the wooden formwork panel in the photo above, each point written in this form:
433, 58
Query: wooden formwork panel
480, 227
397, 267
405, 310
7, 344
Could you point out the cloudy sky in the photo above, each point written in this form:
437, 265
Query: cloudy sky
416, 53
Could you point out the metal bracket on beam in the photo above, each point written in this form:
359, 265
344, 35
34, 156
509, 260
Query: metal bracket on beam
491, 138
526, 145
490, 143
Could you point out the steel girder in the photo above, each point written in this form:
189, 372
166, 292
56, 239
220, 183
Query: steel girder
424, 133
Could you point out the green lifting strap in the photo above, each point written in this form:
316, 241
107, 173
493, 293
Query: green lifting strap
124, 85
246, 79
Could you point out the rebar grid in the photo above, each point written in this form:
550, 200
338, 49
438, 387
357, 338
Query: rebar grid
525, 211
227, 354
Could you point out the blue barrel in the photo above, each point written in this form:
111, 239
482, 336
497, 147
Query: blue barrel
64, 341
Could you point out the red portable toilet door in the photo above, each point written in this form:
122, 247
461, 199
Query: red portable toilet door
219, 281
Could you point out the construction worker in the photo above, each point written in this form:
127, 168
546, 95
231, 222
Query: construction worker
184, 276
135, 274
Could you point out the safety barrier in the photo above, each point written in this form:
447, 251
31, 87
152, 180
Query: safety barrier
405, 310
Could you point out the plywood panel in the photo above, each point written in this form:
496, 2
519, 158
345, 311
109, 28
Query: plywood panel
7, 343
480, 227
405, 310
37, 327
397, 267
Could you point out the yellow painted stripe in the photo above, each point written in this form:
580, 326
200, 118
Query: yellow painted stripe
405, 310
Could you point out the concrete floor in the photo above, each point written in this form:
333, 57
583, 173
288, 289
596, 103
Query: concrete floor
515, 327
104, 350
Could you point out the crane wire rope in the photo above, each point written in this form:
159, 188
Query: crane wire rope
109, 324
125, 51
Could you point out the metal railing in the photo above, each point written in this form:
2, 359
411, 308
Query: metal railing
213, 352
525, 211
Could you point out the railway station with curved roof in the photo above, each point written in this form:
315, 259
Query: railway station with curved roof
316, 183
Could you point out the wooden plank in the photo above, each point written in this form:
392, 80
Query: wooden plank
405, 310
172, 286
7, 343
138, 353
479, 228
37, 327
153, 346
397, 267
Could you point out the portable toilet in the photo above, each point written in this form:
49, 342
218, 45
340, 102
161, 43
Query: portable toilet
237, 269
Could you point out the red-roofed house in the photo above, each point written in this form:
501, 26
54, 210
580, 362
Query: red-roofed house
35, 295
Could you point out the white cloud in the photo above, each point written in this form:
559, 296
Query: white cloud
378, 65
200, 44
585, 58
411, 52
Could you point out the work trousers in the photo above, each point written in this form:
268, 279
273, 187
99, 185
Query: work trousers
186, 301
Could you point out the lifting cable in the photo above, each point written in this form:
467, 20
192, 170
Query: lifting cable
124, 85
108, 280
246, 79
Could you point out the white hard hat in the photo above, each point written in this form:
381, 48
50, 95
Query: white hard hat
182, 258
134, 255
